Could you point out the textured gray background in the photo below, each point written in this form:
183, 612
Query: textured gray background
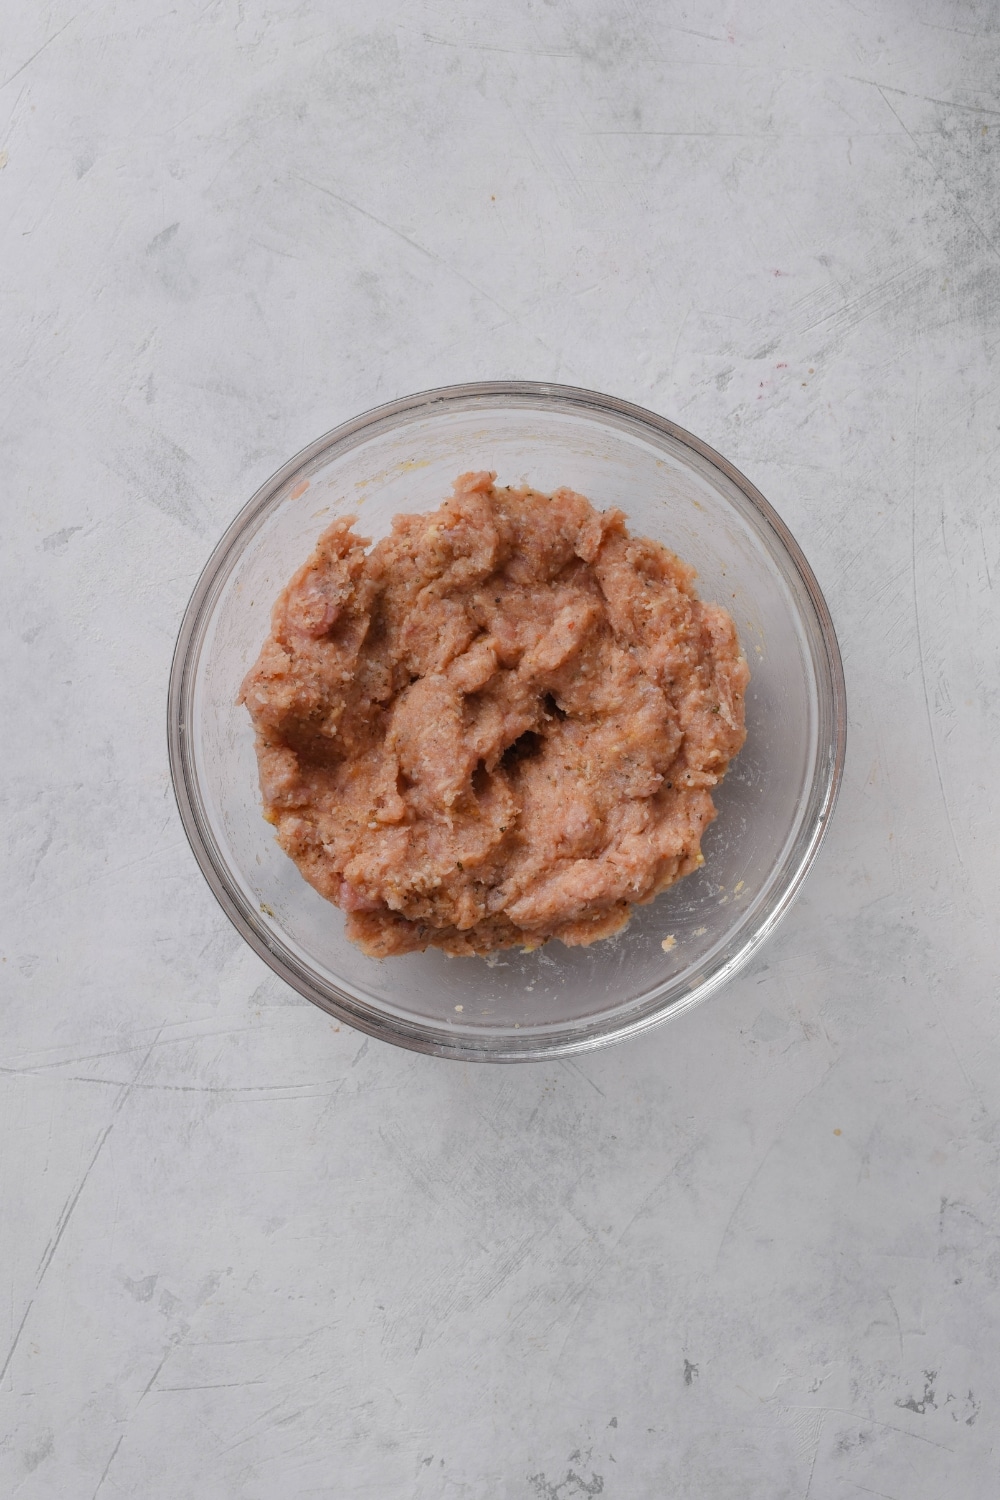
247, 1253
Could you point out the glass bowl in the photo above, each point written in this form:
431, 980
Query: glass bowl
773, 805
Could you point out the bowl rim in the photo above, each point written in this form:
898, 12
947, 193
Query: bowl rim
436, 1039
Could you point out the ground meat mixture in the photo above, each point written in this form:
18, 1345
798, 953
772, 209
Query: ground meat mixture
500, 725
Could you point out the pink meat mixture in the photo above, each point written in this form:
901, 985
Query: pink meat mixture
500, 725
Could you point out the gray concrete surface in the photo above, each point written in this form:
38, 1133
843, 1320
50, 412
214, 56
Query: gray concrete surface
247, 1253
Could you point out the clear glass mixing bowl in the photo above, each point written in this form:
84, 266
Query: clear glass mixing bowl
774, 804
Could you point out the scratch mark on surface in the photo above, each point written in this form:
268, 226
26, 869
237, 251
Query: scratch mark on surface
975, 109
248, 1430
919, 634
17, 1336
74, 1198
331, 1099
842, 1411
60, 893
812, 1466
763, 1161
430, 255
986, 560
152, 1379
577, 1300
944, 183
569, 1066
444, 41
695, 135
69, 1206
107, 1466
13, 108
219, 1385
910, 282
899, 1326
262, 1091
188, 1033
41, 49
647, 1198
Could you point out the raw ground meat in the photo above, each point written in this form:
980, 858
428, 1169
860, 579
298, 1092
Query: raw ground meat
500, 725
